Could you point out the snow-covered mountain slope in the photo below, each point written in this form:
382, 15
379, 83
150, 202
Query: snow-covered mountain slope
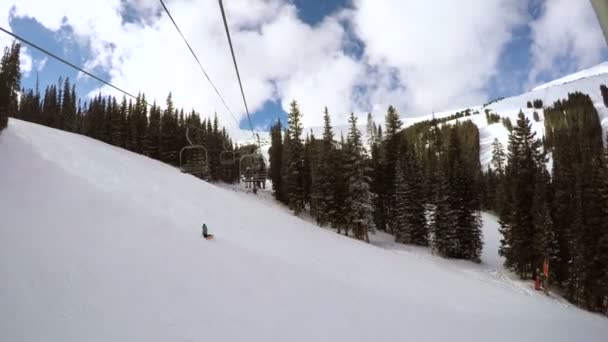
100, 244
599, 69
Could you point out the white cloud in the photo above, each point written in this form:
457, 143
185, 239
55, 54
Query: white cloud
41, 64
26, 62
418, 55
566, 37
443, 52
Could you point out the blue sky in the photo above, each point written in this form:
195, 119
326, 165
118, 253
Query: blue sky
512, 71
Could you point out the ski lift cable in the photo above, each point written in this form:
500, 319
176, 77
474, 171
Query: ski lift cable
198, 61
35, 46
238, 76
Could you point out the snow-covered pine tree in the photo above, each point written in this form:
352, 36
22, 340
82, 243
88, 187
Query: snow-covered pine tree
359, 199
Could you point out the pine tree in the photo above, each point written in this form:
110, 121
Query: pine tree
118, 117
307, 173
467, 242
153, 133
359, 199
371, 130
416, 211
604, 92
410, 221
378, 182
116, 124
295, 161
517, 221
546, 246
401, 228
168, 133
139, 123
275, 153
392, 141
108, 118
10, 83
339, 220
442, 228
285, 167
498, 156
499, 159
325, 180
600, 266
214, 143
68, 107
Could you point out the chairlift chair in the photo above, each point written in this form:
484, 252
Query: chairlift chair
228, 157
193, 159
253, 170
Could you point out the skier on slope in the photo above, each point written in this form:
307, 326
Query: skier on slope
206, 235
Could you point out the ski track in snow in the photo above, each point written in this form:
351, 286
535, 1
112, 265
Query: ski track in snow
100, 244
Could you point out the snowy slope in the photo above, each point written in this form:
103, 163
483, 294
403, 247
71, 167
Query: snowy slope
100, 244
587, 81
593, 71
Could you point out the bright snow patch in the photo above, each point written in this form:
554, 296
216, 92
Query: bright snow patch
100, 244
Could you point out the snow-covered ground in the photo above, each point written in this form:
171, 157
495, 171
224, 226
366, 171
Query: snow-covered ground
100, 244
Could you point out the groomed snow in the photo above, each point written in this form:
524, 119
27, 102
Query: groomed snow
100, 244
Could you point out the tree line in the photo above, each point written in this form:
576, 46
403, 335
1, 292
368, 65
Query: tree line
417, 184
134, 125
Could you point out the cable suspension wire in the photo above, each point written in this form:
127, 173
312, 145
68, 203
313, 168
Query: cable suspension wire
198, 61
67, 63
237, 71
